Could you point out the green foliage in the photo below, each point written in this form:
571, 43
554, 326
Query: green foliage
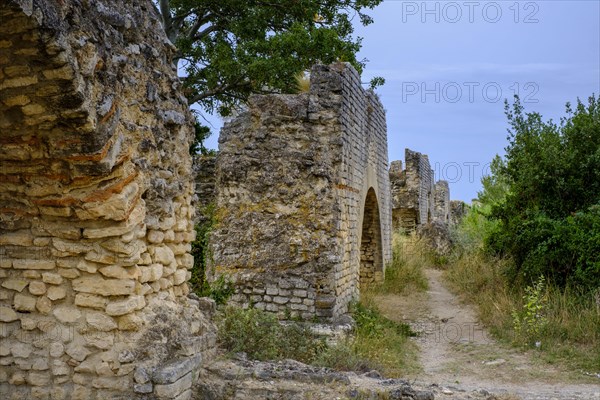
233, 48
549, 219
262, 337
405, 270
529, 322
377, 342
495, 184
201, 133
371, 323
221, 289
344, 357
380, 342
473, 229
376, 82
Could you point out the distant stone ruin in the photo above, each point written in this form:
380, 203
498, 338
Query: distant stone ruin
95, 207
421, 205
458, 209
416, 198
303, 198
441, 202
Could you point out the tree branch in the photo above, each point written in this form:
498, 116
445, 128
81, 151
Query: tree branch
165, 12
219, 90
205, 32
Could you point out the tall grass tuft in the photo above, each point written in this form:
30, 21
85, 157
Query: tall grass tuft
262, 337
410, 255
303, 82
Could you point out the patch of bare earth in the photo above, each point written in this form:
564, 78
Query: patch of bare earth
458, 353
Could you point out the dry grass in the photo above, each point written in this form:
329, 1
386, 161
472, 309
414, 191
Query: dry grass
405, 272
378, 343
303, 82
572, 332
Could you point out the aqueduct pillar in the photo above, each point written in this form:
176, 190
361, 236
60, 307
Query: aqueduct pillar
303, 197
95, 209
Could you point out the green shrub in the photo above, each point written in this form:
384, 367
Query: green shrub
405, 270
549, 218
529, 322
260, 335
221, 289
565, 250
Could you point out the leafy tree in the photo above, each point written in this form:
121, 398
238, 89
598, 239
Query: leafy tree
495, 184
230, 49
201, 132
550, 216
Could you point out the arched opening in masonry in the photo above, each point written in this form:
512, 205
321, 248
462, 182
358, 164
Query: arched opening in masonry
371, 253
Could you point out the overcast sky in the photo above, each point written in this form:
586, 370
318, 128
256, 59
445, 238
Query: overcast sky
449, 66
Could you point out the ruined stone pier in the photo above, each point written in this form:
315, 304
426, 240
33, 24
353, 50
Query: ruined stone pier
303, 198
417, 199
95, 206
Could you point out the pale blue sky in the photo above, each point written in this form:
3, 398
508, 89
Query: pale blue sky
449, 65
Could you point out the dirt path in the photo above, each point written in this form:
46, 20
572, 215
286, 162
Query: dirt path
459, 354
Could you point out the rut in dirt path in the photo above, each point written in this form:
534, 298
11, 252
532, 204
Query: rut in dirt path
458, 352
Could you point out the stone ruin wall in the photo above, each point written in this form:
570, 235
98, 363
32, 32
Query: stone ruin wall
412, 191
416, 198
441, 202
204, 170
458, 209
95, 207
294, 174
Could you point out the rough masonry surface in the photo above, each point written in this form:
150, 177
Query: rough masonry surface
417, 199
303, 199
95, 206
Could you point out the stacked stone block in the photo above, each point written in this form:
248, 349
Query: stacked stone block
441, 202
458, 209
412, 191
95, 215
205, 179
417, 199
293, 174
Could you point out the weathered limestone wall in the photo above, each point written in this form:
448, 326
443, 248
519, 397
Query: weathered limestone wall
416, 198
293, 177
458, 209
441, 202
412, 191
95, 215
205, 184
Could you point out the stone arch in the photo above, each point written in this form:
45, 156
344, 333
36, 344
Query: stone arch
371, 246
291, 209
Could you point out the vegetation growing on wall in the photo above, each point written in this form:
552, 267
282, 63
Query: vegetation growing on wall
221, 289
